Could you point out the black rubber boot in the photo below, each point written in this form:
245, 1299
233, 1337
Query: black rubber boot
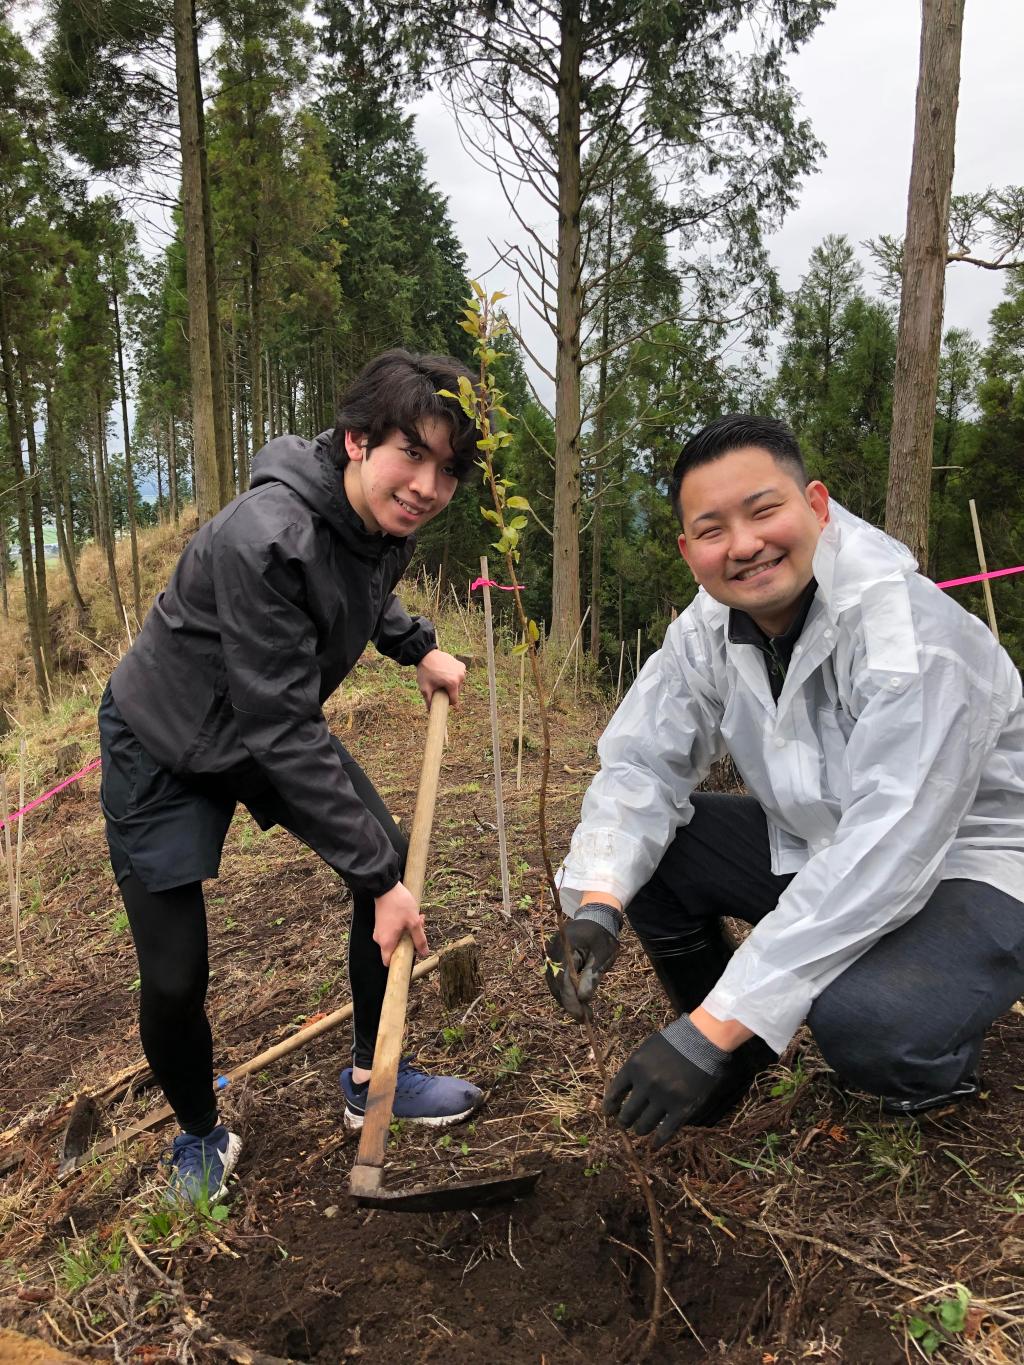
968, 1089
688, 966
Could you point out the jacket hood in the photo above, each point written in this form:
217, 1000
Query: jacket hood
306, 467
853, 556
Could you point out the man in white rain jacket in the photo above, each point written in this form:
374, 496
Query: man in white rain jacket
879, 730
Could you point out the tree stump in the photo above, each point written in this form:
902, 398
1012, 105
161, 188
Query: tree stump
69, 760
460, 977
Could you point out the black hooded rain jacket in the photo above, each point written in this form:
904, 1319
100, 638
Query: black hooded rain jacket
269, 607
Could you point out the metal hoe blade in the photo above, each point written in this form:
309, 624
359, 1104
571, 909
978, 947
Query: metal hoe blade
367, 1189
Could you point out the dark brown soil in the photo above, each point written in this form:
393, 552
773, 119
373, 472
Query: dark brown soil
804, 1229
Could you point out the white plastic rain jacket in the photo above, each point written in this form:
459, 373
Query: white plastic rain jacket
894, 759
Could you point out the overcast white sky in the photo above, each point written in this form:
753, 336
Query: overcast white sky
857, 78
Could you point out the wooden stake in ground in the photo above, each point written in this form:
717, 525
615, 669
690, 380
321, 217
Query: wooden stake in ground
571, 654
986, 586
499, 796
519, 746
637, 673
21, 826
622, 660
11, 882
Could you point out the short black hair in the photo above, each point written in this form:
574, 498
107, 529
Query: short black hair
398, 390
734, 431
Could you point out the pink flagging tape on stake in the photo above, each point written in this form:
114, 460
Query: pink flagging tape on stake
490, 583
16, 815
977, 577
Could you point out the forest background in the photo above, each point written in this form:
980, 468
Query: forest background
665, 144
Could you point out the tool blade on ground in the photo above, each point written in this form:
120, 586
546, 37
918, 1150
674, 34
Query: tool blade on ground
461, 1194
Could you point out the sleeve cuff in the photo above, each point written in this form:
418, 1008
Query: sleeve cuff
689, 1042
606, 916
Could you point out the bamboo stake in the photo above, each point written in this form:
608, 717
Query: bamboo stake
986, 587
622, 660
462, 615
519, 750
637, 673
571, 653
499, 798
11, 886
21, 825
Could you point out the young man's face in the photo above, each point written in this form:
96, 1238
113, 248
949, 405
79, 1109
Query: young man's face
402, 483
749, 533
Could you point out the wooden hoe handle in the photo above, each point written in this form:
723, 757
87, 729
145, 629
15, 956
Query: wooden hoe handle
381, 1096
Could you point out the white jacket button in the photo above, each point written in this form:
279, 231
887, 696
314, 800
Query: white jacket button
779, 742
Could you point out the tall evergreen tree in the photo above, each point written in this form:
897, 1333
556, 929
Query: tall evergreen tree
272, 196
543, 83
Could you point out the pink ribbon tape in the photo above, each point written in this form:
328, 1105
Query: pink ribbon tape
490, 583
977, 577
16, 815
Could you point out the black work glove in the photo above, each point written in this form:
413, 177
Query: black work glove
669, 1080
594, 944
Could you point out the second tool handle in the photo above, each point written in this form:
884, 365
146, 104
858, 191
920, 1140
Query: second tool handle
381, 1096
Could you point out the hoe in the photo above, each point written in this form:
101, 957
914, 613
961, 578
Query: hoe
366, 1183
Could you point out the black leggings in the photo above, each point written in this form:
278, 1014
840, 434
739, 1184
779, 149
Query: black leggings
169, 928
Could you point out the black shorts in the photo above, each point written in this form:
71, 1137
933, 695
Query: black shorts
167, 831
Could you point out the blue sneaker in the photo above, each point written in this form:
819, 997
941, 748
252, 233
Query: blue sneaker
200, 1166
436, 1101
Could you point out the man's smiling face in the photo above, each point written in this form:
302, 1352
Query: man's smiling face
405, 481
749, 533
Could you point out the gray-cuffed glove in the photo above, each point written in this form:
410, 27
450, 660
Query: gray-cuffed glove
671, 1079
593, 938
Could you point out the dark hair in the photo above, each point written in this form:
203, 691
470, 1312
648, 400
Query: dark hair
397, 390
732, 432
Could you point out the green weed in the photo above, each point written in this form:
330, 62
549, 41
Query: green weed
893, 1153
512, 1058
769, 1161
789, 1082
1013, 1196
178, 1224
940, 1322
87, 1258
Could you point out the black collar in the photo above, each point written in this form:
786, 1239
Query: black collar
744, 630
